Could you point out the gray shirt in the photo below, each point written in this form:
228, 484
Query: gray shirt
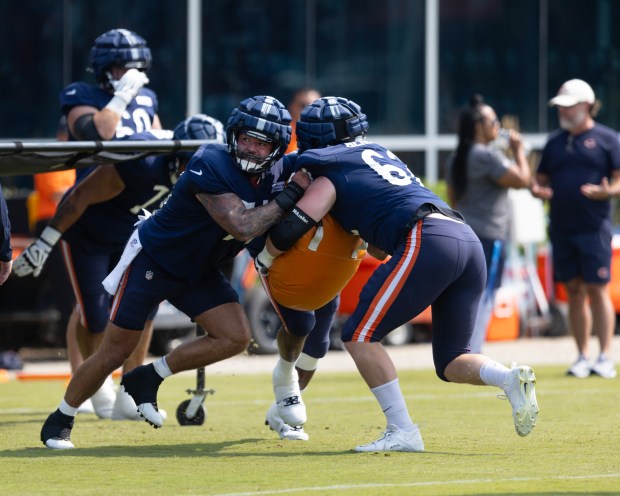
485, 203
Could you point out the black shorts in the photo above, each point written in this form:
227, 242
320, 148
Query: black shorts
582, 254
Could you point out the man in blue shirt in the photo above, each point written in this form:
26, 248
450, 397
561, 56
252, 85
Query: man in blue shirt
579, 173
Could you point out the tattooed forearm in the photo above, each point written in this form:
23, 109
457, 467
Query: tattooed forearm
67, 213
240, 222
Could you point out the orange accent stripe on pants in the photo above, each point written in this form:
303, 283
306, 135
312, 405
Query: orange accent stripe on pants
119, 293
79, 299
265, 281
390, 288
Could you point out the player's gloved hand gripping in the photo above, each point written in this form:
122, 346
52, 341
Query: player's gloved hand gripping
33, 258
286, 200
126, 89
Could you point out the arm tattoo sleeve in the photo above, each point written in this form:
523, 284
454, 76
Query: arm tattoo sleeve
240, 222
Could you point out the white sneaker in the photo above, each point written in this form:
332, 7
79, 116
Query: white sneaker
291, 407
580, 369
520, 391
395, 439
285, 431
86, 407
605, 368
103, 400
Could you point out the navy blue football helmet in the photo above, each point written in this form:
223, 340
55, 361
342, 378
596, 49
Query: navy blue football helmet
119, 48
264, 118
330, 121
198, 127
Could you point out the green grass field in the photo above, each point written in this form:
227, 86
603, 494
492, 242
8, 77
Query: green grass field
471, 444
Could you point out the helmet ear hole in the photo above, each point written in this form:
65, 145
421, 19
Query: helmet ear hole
330, 121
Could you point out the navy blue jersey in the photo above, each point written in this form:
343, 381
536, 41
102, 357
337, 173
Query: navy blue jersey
137, 118
6, 252
182, 237
376, 194
570, 162
105, 227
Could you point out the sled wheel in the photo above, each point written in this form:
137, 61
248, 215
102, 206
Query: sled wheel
198, 419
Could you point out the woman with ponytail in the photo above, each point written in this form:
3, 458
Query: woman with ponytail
479, 176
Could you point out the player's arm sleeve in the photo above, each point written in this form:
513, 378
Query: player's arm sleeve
84, 128
290, 229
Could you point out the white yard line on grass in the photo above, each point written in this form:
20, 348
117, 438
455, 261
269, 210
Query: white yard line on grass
348, 487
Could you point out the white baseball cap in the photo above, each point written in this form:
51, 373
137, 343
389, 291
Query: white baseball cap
573, 92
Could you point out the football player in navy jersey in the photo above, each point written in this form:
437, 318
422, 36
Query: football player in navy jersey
95, 219
118, 105
227, 196
435, 259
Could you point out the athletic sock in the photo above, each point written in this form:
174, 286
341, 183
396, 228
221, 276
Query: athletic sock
67, 409
161, 367
493, 373
306, 362
393, 405
284, 372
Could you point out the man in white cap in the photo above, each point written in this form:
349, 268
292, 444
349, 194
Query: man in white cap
578, 173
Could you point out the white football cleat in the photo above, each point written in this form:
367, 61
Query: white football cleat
59, 444
56, 431
125, 407
520, 391
275, 423
86, 407
395, 439
142, 384
291, 408
103, 400
151, 414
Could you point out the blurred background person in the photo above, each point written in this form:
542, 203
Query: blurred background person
116, 106
479, 176
301, 99
578, 173
49, 189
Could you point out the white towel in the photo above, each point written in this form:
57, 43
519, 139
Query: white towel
132, 248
